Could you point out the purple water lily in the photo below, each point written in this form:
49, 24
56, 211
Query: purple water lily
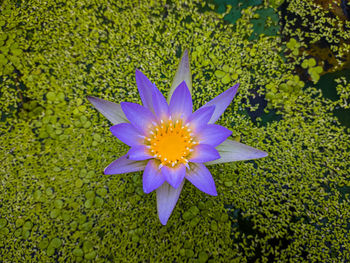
169, 141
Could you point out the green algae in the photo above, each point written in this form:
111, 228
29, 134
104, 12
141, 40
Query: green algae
56, 203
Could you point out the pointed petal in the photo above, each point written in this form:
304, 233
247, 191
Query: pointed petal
213, 134
127, 133
204, 153
161, 108
112, 111
200, 118
183, 73
139, 153
140, 117
174, 175
152, 177
200, 177
231, 151
167, 197
221, 102
181, 102
125, 165
145, 87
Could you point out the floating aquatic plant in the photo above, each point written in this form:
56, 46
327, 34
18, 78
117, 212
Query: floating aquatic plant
169, 141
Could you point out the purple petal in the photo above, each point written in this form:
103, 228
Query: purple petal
140, 117
181, 102
139, 153
200, 177
125, 165
112, 111
213, 134
167, 197
200, 118
174, 175
221, 102
127, 134
204, 153
145, 87
152, 177
183, 73
231, 151
161, 108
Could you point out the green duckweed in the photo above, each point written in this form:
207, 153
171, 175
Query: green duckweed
58, 206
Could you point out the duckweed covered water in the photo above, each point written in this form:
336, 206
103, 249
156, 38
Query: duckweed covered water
56, 205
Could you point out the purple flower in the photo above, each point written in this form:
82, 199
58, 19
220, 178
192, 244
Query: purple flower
169, 141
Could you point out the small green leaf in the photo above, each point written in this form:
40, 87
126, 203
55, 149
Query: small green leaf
3, 222
91, 255
226, 79
55, 213
78, 252
51, 96
220, 74
28, 225
101, 191
56, 242
43, 243
312, 62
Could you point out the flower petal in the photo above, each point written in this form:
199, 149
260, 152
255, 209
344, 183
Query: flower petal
112, 111
140, 117
127, 133
145, 87
125, 165
152, 177
139, 153
183, 73
161, 108
200, 118
231, 151
181, 102
221, 102
200, 177
204, 153
174, 175
213, 134
167, 197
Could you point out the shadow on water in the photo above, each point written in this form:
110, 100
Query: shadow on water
245, 225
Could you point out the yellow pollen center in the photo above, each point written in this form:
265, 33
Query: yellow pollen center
170, 142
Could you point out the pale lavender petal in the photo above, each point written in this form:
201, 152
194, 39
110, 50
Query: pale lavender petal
145, 87
127, 133
125, 165
221, 102
200, 177
231, 151
181, 102
167, 197
174, 175
112, 111
161, 108
140, 117
200, 118
183, 73
203, 153
139, 153
152, 177
213, 134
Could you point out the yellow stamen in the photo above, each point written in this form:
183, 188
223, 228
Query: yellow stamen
171, 142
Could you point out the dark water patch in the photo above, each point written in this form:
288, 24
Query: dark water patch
328, 86
246, 227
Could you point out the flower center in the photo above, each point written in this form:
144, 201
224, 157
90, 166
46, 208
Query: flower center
171, 142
